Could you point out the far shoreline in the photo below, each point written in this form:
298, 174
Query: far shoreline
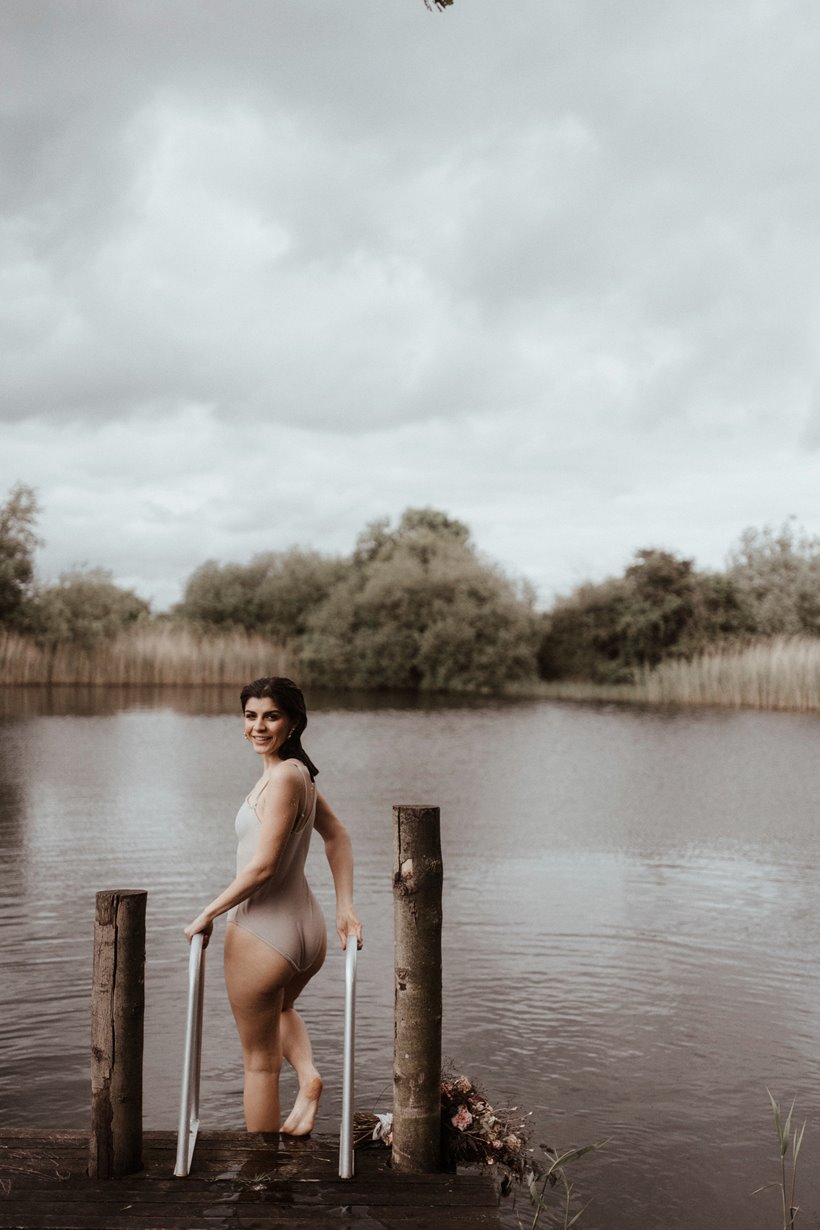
780, 674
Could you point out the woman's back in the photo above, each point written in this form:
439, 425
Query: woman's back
283, 911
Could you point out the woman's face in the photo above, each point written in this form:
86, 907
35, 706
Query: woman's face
266, 725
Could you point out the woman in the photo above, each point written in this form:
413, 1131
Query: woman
275, 940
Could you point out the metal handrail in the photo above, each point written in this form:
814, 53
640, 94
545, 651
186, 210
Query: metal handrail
346, 1134
192, 1063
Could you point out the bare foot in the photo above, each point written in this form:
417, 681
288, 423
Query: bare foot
301, 1119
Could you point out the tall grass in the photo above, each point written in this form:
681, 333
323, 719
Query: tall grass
779, 674
148, 655
783, 673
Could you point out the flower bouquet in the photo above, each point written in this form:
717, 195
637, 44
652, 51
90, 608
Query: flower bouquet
473, 1133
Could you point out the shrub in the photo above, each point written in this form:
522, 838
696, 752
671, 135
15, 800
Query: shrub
85, 607
419, 609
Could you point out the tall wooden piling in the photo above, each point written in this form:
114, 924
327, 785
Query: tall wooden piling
417, 884
117, 1021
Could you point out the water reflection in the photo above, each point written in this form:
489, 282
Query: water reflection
72, 700
630, 935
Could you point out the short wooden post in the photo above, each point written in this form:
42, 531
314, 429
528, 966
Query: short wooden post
417, 883
117, 1019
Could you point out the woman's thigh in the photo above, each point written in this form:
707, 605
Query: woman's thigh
256, 976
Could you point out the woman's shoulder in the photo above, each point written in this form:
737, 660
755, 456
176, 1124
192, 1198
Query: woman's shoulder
286, 772
283, 771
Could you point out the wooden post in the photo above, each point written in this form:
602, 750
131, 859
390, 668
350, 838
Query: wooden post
417, 881
117, 1017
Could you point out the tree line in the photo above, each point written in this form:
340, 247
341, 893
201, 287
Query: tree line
416, 606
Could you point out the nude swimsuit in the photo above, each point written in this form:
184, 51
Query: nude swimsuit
282, 912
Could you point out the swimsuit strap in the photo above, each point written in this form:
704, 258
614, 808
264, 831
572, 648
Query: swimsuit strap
258, 797
303, 810
308, 798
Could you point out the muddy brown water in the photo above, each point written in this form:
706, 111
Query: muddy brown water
631, 926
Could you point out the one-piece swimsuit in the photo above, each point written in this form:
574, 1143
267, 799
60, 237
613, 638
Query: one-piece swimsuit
283, 911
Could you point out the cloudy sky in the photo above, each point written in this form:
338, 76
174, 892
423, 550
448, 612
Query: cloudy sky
272, 269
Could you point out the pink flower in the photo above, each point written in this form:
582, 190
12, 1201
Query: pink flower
462, 1118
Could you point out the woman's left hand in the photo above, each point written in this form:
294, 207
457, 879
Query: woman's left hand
347, 922
200, 926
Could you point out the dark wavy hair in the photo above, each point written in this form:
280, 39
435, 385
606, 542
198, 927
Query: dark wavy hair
290, 700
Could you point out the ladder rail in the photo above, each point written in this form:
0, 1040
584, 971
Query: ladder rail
192, 1061
346, 1164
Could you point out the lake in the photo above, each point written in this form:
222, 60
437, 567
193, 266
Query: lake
631, 926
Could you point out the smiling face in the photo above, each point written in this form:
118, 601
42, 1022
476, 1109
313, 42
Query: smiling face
267, 726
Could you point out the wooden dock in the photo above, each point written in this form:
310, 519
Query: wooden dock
252, 1182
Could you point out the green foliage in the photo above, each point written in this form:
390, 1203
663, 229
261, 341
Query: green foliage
419, 609
18, 542
603, 631
660, 608
84, 608
581, 636
788, 1138
416, 607
542, 1179
777, 574
422, 534
273, 594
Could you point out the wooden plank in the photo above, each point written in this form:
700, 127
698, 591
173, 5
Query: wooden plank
267, 1219
295, 1194
251, 1182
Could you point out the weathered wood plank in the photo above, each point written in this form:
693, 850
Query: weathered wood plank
251, 1182
150, 1194
259, 1219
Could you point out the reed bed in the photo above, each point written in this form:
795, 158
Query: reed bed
156, 654
779, 674
782, 673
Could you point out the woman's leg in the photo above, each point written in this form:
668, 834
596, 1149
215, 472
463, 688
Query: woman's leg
299, 1054
256, 976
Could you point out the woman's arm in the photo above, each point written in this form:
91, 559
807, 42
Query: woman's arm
279, 806
340, 857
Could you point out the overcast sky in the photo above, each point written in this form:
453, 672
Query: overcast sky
272, 269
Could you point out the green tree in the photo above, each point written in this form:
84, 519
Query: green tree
18, 542
580, 636
661, 607
274, 593
660, 590
84, 608
419, 609
777, 576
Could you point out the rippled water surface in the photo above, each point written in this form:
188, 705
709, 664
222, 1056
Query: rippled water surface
631, 924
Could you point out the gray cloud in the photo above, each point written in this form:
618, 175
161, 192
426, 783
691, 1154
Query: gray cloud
572, 246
